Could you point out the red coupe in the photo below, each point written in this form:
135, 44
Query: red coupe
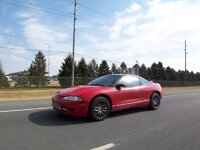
107, 94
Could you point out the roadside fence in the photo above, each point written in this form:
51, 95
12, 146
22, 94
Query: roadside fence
61, 82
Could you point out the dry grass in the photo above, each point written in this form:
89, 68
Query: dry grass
179, 89
29, 94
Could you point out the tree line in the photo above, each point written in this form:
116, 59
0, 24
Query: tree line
36, 74
84, 71
157, 72
92, 70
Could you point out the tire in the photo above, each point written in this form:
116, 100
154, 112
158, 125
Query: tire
99, 109
154, 101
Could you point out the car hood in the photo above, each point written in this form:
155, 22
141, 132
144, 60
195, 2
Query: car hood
79, 90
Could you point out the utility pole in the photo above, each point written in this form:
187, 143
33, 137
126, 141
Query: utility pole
49, 63
73, 47
185, 60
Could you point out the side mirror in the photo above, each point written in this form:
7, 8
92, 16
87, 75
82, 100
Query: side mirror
119, 86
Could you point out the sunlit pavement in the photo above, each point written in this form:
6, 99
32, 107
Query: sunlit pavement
34, 125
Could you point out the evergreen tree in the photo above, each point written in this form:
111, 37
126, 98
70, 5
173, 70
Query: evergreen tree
153, 71
157, 71
144, 72
3, 79
37, 70
93, 69
104, 68
114, 69
123, 68
65, 73
197, 78
82, 70
160, 71
180, 75
170, 74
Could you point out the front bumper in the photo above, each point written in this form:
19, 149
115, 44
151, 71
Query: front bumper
69, 108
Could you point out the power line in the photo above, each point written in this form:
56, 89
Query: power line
56, 52
35, 38
43, 7
54, 11
90, 21
49, 10
47, 42
31, 49
97, 12
58, 42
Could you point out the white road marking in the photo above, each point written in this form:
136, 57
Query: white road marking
179, 94
108, 145
28, 109
105, 147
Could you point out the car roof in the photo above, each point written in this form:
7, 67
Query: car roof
122, 75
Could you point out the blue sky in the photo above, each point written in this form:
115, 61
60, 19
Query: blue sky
144, 30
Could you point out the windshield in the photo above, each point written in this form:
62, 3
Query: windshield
108, 80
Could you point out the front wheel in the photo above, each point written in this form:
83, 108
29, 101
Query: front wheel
99, 109
154, 101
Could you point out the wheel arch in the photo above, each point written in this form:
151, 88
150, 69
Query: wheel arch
155, 92
102, 95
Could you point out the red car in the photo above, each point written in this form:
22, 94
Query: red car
107, 94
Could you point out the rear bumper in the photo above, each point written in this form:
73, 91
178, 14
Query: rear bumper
68, 108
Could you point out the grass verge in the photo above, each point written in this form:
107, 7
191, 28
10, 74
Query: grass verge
27, 94
168, 90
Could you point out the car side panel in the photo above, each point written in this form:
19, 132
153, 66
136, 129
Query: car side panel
128, 97
135, 96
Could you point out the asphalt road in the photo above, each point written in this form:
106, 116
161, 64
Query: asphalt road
175, 126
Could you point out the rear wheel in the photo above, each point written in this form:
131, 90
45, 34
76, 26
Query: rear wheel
99, 109
154, 101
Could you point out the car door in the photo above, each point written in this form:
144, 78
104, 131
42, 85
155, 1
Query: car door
129, 92
146, 89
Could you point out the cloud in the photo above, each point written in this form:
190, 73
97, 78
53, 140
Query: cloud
149, 32
42, 35
42, 31
16, 49
9, 63
1, 39
156, 32
55, 63
23, 15
17, 59
32, 27
135, 7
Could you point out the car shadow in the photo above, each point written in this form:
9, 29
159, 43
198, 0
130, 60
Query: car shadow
52, 118
128, 111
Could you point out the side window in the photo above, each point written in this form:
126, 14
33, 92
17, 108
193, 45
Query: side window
129, 81
143, 81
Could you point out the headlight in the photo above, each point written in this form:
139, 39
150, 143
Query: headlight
72, 98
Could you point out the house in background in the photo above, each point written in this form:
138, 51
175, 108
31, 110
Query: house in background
54, 78
14, 76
